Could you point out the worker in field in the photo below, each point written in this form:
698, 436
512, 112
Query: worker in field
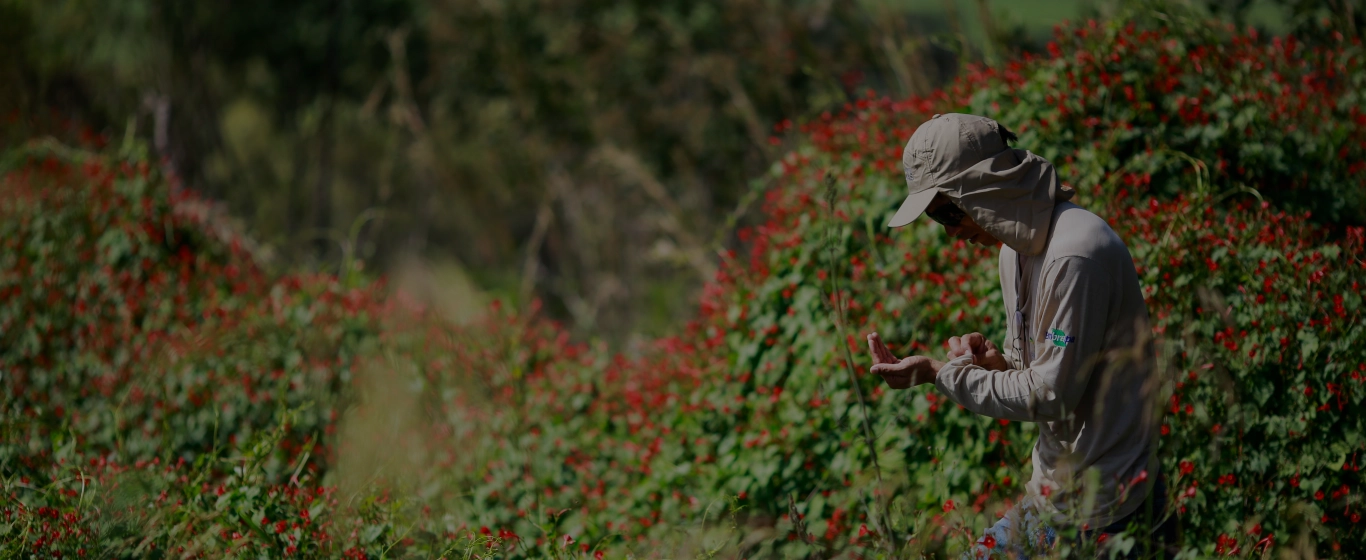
1076, 359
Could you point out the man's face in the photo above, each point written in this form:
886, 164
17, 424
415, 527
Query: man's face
965, 229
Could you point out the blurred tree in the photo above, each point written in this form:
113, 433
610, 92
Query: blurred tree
587, 152
317, 52
1308, 20
615, 134
179, 64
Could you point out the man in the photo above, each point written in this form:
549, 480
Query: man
1076, 357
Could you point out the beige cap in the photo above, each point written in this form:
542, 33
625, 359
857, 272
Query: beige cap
938, 153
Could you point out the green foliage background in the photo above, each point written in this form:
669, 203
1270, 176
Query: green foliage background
459, 125
167, 394
497, 138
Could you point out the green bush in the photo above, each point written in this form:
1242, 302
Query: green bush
761, 409
161, 395
747, 433
122, 307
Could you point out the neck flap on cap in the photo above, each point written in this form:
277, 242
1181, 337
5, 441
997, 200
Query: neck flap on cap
1011, 195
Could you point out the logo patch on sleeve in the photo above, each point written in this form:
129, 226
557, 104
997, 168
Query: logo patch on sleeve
1059, 338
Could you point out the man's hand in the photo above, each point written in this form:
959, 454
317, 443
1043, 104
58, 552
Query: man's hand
984, 352
904, 372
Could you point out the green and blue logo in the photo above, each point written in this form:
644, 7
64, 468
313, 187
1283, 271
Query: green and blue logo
1059, 338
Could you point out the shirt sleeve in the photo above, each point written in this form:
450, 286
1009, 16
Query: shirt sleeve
1069, 336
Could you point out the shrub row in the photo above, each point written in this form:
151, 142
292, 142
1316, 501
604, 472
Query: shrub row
161, 392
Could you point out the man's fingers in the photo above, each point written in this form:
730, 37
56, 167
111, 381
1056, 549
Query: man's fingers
904, 373
881, 349
976, 342
887, 354
955, 347
881, 355
875, 343
904, 365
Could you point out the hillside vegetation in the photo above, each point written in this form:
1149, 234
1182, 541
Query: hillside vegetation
165, 398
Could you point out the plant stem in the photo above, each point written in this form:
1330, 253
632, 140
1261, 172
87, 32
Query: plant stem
830, 195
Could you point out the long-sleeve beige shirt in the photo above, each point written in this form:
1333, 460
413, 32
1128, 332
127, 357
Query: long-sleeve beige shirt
1081, 367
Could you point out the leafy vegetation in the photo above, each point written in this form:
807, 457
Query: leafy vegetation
450, 129
164, 396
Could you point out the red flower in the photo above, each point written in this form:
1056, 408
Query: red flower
948, 505
1226, 543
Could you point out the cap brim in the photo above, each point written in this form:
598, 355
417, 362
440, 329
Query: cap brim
911, 209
